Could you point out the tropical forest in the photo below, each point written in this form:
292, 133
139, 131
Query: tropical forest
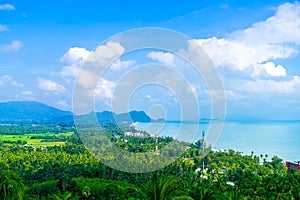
50, 162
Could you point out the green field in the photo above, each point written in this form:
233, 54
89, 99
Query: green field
35, 142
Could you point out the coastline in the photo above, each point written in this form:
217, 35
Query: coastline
280, 138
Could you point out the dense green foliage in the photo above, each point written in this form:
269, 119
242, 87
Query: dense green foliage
28, 128
72, 172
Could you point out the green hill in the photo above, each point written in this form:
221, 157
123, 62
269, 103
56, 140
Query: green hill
28, 111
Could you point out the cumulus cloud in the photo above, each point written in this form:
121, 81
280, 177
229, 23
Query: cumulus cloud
3, 28
283, 27
89, 82
163, 58
105, 88
270, 69
267, 40
6, 80
7, 7
241, 56
70, 70
50, 86
104, 53
87, 79
13, 46
119, 65
74, 55
73, 59
251, 55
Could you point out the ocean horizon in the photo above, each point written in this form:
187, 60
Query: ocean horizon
274, 138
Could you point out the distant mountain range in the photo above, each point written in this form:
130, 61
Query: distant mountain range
31, 111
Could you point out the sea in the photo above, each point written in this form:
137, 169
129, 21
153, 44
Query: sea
272, 138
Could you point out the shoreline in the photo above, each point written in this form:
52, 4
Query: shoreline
274, 139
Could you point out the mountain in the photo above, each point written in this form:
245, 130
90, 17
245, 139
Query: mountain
29, 111
133, 116
39, 112
105, 116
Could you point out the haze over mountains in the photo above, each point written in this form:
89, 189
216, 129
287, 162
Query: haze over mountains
39, 112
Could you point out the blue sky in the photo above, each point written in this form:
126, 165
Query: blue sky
255, 46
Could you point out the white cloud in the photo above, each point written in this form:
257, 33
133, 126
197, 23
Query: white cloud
7, 7
283, 27
249, 49
242, 56
50, 86
13, 46
104, 53
88, 84
249, 57
70, 70
3, 28
232, 95
73, 59
75, 55
267, 86
87, 79
27, 93
6, 80
150, 98
105, 88
16, 84
119, 65
62, 104
163, 58
270, 69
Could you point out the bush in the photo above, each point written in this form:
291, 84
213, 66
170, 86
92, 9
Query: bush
44, 188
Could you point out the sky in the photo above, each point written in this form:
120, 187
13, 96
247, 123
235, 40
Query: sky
253, 44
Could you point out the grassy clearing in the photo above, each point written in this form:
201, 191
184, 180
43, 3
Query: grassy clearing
37, 142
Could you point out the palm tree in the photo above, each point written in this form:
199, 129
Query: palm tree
11, 185
65, 196
205, 191
165, 188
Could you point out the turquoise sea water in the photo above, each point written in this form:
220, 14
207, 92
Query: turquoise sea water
272, 138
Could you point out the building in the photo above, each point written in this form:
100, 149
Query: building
293, 165
136, 134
